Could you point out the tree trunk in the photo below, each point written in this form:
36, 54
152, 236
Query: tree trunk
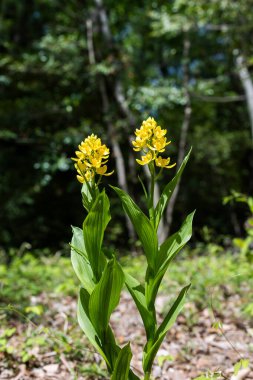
184, 129
247, 86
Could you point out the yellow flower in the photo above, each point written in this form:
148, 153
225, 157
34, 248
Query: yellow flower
163, 162
151, 140
102, 171
91, 158
139, 144
145, 159
80, 178
159, 132
159, 144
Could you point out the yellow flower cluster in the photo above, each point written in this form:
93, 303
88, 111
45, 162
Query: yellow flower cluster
151, 140
91, 159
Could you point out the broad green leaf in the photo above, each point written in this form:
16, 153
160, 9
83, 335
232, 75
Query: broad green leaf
77, 241
85, 323
166, 254
105, 345
89, 194
174, 243
137, 291
142, 225
167, 192
105, 296
93, 231
164, 328
122, 365
110, 347
79, 260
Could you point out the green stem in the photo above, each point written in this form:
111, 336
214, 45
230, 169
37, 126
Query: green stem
152, 189
147, 376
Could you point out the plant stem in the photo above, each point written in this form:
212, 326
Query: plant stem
147, 376
151, 196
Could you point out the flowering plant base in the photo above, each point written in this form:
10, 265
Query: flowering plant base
99, 271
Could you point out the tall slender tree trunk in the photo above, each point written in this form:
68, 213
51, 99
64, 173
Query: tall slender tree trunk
184, 129
247, 84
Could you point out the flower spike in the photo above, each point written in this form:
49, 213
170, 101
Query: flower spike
91, 159
151, 140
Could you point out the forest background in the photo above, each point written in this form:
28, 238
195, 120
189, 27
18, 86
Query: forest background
71, 68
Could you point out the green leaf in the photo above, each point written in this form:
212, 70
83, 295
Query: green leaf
105, 296
132, 376
122, 365
167, 192
88, 195
105, 345
77, 241
110, 347
163, 358
175, 243
93, 232
243, 363
142, 225
85, 323
164, 328
166, 254
137, 291
217, 325
237, 367
35, 309
79, 260
143, 187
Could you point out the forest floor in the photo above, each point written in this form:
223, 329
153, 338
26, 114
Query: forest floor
50, 346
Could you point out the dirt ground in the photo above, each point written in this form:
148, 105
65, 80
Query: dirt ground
192, 346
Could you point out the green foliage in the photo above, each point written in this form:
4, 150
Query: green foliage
245, 245
142, 225
137, 291
167, 252
207, 273
93, 233
101, 290
121, 369
85, 323
210, 376
79, 259
168, 191
22, 279
151, 349
105, 296
243, 363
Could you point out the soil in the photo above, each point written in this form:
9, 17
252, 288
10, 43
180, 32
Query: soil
192, 347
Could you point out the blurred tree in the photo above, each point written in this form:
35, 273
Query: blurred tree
69, 68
